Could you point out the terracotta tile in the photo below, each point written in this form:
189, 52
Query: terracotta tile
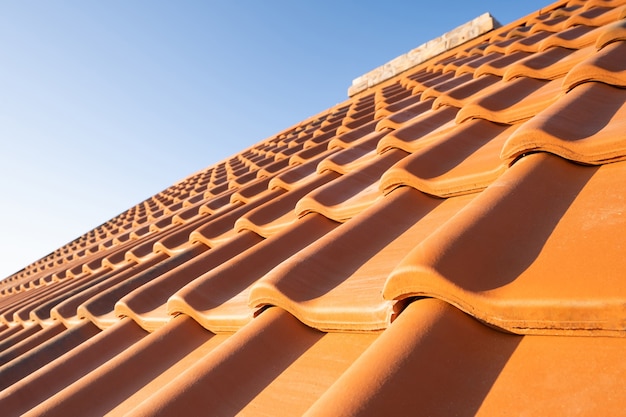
354, 157
221, 229
81, 291
584, 126
359, 114
576, 37
550, 24
611, 33
99, 307
290, 150
412, 80
348, 126
607, 65
20, 367
471, 66
272, 169
247, 194
452, 183
396, 106
388, 97
299, 174
458, 96
455, 64
150, 363
19, 311
219, 298
501, 46
440, 78
472, 162
502, 281
67, 311
146, 305
439, 64
15, 350
20, 297
346, 139
183, 216
595, 16
399, 118
478, 49
23, 332
499, 66
348, 195
435, 91
514, 101
417, 365
517, 32
550, 64
274, 216
602, 3
10, 330
335, 283
310, 152
286, 388
63, 371
567, 11
409, 137
531, 43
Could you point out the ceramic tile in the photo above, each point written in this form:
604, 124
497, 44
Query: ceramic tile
335, 283
460, 95
550, 64
417, 365
118, 383
146, 304
410, 137
499, 66
502, 281
583, 126
404, 116
68, 368
595, 16
611, 33
305, 362
348, 195
513, 101
447, 241
17, 368
607, 66
576, 37
218, 299
471, 152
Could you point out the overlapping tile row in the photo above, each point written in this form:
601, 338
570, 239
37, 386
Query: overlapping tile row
449, 241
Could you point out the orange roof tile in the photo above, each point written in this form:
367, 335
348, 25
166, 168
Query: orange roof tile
448, 240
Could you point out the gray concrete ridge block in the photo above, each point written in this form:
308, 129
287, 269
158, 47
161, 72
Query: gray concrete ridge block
468, 31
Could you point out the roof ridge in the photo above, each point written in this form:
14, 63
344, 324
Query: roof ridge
457, 36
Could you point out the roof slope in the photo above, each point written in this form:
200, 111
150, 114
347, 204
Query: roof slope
448, 242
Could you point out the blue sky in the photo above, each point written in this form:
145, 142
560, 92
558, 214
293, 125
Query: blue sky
104, 104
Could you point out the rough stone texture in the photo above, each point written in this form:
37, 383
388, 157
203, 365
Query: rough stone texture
470, 30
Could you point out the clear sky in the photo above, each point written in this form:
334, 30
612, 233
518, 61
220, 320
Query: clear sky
105, 103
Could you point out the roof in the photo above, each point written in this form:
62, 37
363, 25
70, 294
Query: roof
446, 242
